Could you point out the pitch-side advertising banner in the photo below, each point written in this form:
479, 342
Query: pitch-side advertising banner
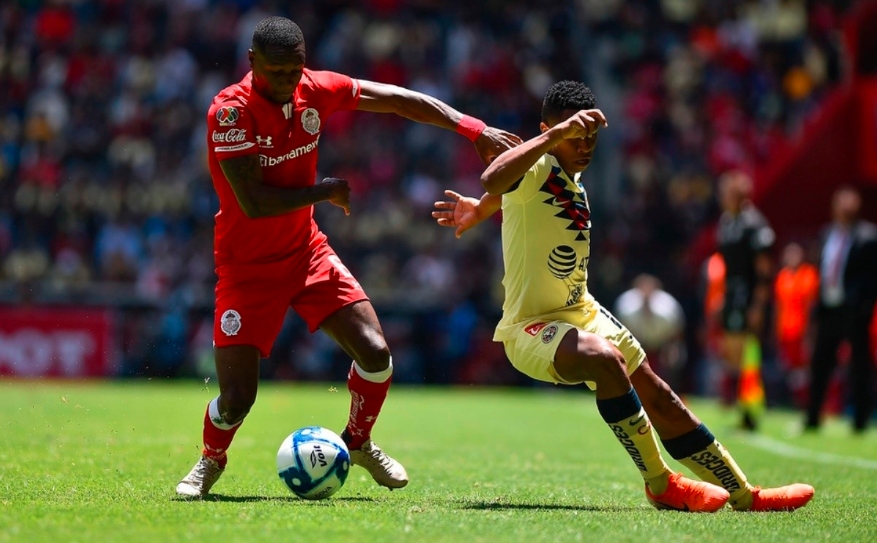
56, 342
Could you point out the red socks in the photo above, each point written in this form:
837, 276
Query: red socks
366, 400
217, 434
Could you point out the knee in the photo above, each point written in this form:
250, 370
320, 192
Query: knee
236, 402
373, 357
596, 359
604, 358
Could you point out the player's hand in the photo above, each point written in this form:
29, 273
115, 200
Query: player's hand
461, 212
494, 142
583, 124
339, 192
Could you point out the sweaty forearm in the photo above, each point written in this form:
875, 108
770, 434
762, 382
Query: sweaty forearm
510, 166
267, 201
256, 199
415, 106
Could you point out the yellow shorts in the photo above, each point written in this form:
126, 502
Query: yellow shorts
532, 349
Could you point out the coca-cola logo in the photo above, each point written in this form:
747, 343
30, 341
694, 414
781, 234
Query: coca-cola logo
233, 135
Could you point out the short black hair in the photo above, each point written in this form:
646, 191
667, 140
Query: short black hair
565, 95
277, 32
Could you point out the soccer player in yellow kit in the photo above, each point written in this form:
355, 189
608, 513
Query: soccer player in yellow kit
553, 330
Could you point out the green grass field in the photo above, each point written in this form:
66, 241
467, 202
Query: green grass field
99, 461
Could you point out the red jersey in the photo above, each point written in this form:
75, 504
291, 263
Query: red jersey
286, 136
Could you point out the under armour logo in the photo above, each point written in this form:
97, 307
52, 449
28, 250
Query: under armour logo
264, 142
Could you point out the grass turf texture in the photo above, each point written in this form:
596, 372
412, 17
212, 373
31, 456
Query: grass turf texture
99, 462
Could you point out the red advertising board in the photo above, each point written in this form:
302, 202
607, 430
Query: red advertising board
56, 342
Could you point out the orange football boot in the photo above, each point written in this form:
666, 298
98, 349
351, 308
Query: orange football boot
784, 498
684, 494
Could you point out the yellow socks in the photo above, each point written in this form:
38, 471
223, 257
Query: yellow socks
628, 421
699, 451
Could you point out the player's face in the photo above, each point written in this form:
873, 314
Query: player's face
277, 71
573, 155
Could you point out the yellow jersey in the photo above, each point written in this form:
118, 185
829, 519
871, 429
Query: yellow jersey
546, 245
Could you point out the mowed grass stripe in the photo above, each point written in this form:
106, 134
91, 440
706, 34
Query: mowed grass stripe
98, 461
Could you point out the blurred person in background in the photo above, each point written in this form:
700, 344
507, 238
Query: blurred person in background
795, 292
657, 320
263, 136
847, 296
744, 240
712, 291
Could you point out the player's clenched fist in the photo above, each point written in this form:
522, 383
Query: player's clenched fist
583, 124
339, 192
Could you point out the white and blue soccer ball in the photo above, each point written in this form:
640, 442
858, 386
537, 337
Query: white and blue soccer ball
313, 462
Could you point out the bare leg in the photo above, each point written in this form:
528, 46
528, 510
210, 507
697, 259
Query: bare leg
583, 356
237, 370
668, 414
357, 330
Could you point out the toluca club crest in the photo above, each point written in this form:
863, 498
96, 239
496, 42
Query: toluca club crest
230, 322
310, 121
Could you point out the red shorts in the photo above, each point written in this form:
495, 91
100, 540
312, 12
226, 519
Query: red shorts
252, 299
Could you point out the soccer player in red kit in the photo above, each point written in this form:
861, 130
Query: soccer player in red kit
263, 137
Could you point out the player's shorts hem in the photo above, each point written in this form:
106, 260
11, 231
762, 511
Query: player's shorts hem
532, 349
315, 323
223, 345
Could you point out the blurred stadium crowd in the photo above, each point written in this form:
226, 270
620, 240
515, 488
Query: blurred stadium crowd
105, 196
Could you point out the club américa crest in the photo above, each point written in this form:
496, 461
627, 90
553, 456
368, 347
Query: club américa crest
548, 333
230, 322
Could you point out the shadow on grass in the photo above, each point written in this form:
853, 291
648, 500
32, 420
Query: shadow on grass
290, 499
499, 506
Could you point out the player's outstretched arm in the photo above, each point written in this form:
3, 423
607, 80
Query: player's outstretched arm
509, 167
464, 212
257, 199
382, 98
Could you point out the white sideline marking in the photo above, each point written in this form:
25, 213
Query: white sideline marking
782, 449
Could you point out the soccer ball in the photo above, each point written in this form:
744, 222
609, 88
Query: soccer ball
313, 462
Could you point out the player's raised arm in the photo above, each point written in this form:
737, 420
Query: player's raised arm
244, 174
382, 98
464, 212
509, 167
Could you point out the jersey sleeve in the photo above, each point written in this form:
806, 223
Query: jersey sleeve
531, 182
337, 92
230, 130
